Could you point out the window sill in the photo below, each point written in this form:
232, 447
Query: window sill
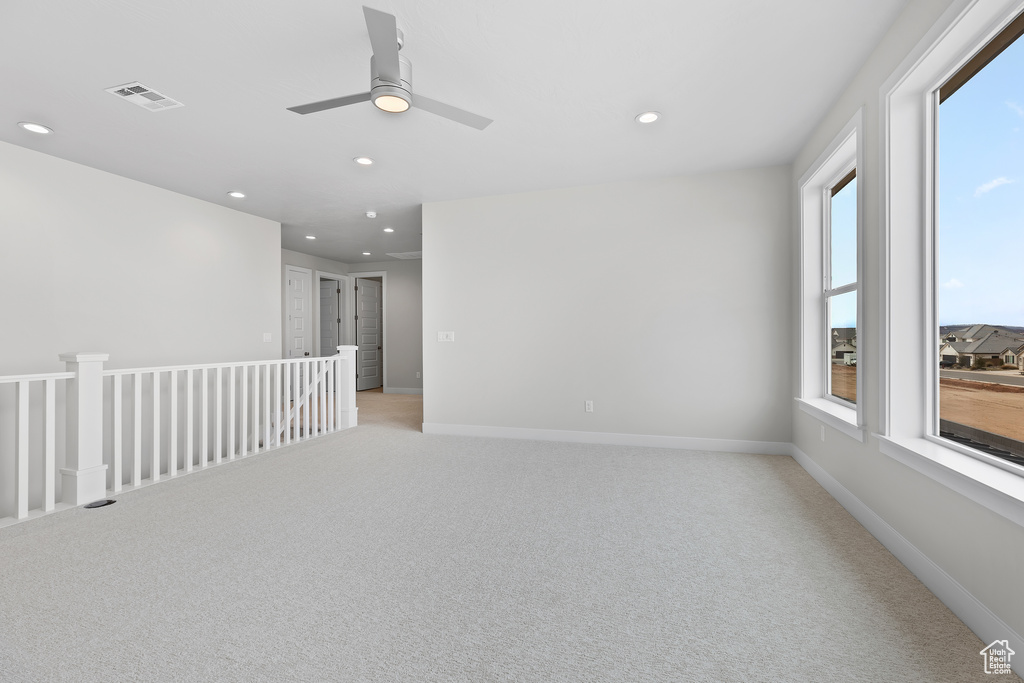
834, 415
998, 490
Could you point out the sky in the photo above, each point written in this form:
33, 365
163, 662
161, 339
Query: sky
981, 196
980, 243
843, 219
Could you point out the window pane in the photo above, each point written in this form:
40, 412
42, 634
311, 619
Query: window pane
844, 235
980, 278
843, 345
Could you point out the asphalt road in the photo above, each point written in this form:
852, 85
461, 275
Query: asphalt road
997, 377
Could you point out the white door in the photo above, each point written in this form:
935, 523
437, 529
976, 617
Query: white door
299, 303
330, 317
370, 365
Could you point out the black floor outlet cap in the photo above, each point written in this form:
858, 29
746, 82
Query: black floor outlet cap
100, 503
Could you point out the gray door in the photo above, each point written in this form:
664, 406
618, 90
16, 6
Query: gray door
369, 335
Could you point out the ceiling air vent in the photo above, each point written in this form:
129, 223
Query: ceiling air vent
145, 97
408, 255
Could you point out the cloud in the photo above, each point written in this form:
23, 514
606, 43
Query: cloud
1017, 108
991, 185
952, 284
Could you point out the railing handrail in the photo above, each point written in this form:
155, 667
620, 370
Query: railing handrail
10, 379
210, 366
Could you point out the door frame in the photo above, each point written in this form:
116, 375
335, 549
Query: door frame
346, 302
284, 307
383, 275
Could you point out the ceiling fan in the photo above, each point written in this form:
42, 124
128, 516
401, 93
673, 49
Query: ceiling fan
391, 78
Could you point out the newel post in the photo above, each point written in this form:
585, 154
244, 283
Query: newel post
346, 391
85, 477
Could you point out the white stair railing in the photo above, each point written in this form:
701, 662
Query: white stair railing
133, 427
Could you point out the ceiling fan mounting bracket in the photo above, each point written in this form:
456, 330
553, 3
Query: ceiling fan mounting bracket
404, 69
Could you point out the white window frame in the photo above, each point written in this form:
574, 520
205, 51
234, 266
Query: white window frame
827, 292
908, 414
814, 201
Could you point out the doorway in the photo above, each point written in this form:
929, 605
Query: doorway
334, 326
371, 359
298, 331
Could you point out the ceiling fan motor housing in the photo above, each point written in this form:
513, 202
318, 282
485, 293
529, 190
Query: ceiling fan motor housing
380, 87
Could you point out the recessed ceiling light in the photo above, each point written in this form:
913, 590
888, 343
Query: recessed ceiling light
366, 253
310, 237
236, 194
365, 161
648, 117
35, 128
371, 214
389, 229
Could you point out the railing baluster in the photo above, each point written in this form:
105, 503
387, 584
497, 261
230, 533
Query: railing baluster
189, 408
137, 434
50, 446
266, 408
306, 396
285, 427
338, 368
321, 382
243, 428
231, 413
154, 473
296, 401
219, 417
204, 430
172, 455
116, 463
21, 455
256, 408
330, 394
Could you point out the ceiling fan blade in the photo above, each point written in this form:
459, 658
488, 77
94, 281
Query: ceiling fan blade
384, 41
449, 112
330, 104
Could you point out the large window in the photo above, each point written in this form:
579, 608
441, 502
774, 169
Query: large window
978, 245
841, 289
920, 233
830, 275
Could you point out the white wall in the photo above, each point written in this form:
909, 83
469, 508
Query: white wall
91, 261
981, 551
551, 307
403, 310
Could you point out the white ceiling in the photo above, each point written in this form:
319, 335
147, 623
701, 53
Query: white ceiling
740, 83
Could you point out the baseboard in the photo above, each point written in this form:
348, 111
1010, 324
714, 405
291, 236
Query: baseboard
979, 618
612, 438
402, 390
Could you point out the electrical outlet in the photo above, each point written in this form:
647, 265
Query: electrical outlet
822, 432
417, 374
268, 337
445, 336
588, 406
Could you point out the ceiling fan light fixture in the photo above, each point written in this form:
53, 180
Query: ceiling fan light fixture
393, 100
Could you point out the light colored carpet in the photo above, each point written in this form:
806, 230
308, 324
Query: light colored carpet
382, 554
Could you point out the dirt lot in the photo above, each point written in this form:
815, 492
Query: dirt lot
996, 408
844, 381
